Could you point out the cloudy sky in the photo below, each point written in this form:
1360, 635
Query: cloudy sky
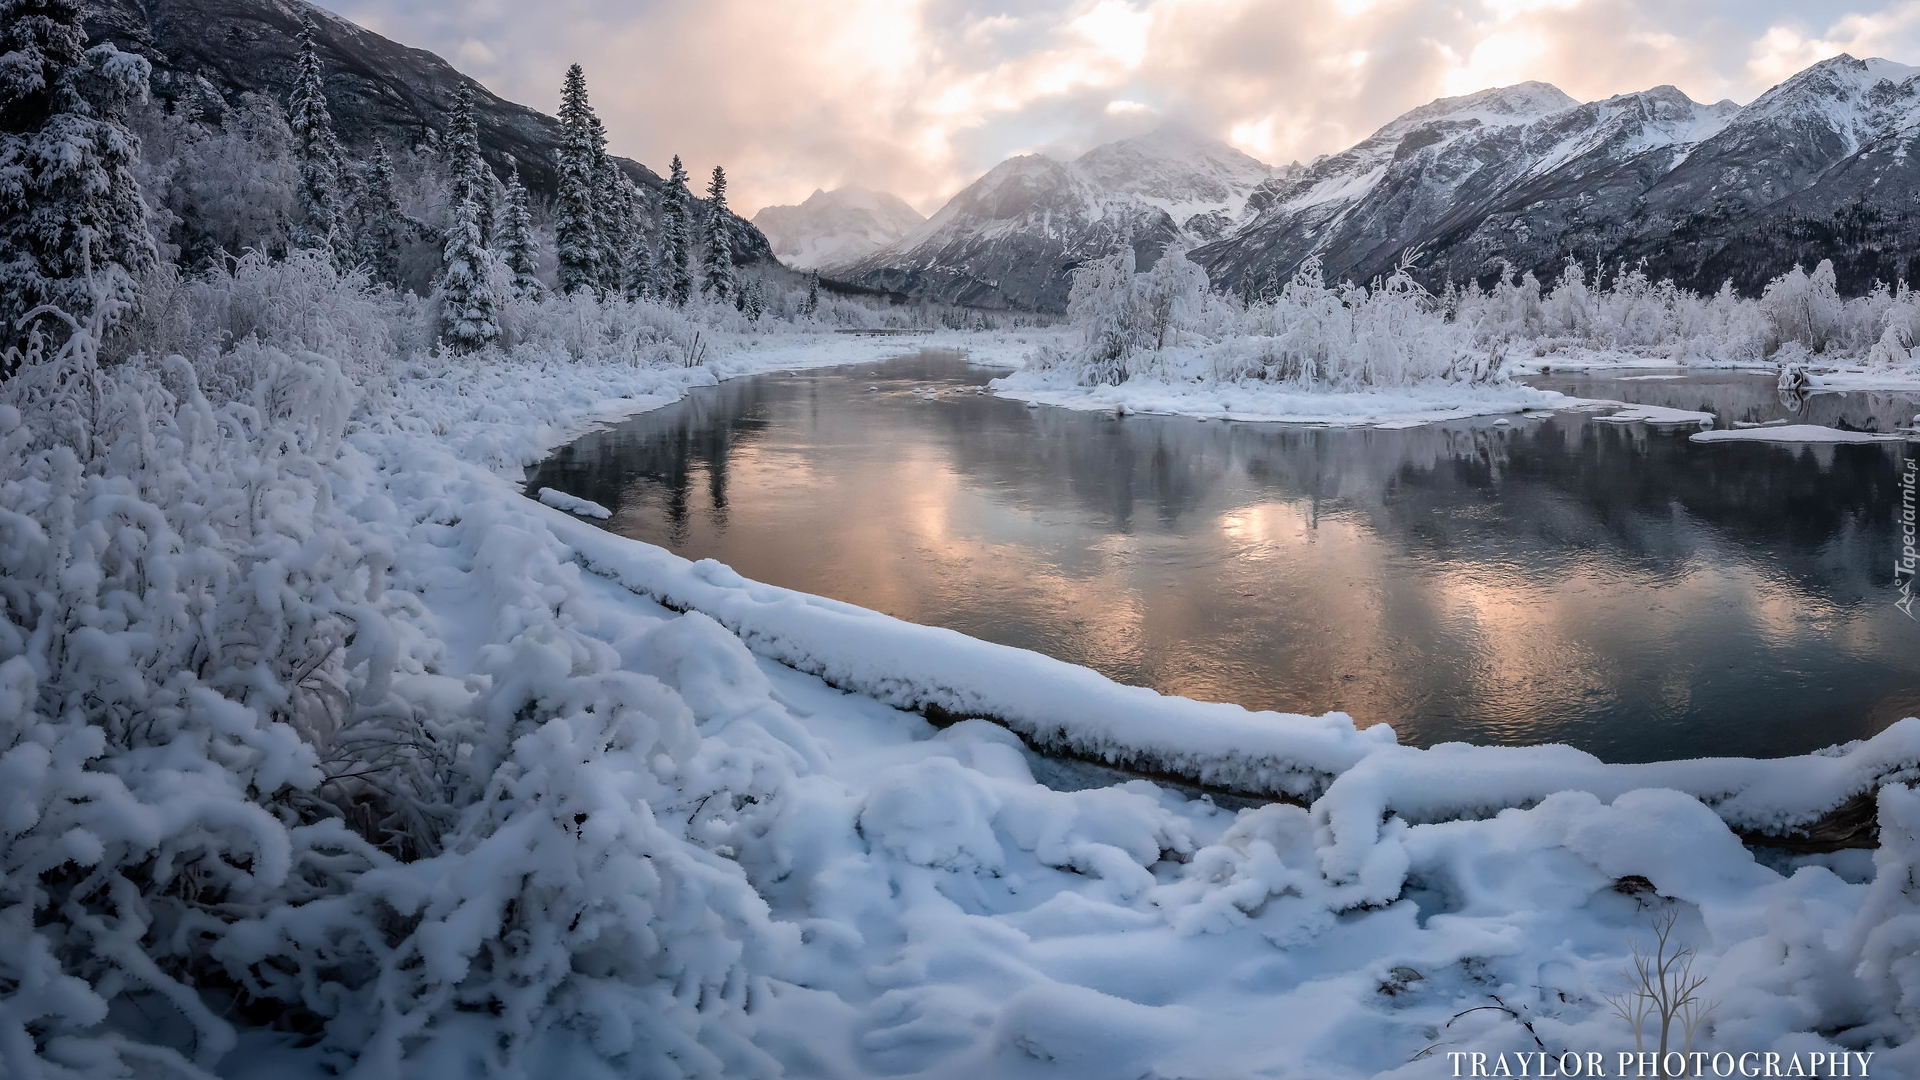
919, 97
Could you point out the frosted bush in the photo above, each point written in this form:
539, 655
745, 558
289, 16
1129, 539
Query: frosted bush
186, 622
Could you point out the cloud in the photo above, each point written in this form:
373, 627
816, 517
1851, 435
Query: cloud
919, 97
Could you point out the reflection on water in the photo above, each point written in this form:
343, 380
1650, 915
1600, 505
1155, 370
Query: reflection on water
1557, 580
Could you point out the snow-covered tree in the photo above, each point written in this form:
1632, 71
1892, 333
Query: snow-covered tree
70, 206
575, 223
1101, 308
467, 173
812, 304
323, 196
716, 271
1169, 297
466, 288
677, 238
380, 219
1804, 307
516, 240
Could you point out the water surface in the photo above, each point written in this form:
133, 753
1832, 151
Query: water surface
1547, 580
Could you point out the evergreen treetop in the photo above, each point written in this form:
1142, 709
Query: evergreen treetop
576, 224
323, 197
466, 287
516, 240
467, 173
381, 220
676, 238
717, 277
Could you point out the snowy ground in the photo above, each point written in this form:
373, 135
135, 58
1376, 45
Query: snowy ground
713, 842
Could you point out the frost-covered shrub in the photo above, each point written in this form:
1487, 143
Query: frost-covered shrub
1391, 333
188, 623
220, 184
233, 770
301, 303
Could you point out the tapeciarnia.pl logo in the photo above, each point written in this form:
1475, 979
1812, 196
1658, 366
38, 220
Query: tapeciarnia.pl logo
1650, 1063
1903, 567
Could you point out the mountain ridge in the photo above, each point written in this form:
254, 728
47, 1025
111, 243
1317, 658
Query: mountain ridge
1502, 181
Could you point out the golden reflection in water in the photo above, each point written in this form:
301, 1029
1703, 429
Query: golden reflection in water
1458, 582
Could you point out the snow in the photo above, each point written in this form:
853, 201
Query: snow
302, 700
1381, 407
573, 504
1794, 433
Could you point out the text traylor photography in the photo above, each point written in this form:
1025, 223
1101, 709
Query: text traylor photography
1109, 539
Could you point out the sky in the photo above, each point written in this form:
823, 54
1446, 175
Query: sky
919, 97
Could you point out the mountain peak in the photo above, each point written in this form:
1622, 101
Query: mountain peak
833, 228
1500, 106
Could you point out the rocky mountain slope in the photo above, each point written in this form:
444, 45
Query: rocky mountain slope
834, 228
1510, 180
1013, 237
376, 88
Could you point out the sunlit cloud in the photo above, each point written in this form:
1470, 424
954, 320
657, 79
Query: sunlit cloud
919, 97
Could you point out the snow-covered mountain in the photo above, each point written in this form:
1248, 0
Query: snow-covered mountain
1013, 237
1508, 180
834, 228
1442, 177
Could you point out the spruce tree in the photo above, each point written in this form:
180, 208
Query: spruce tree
812, 304
610, 208
575, 222
619, 230
467, 174
380, 219
323, 198
676, 238
466, 288
717, 264
516, 240
69, 202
